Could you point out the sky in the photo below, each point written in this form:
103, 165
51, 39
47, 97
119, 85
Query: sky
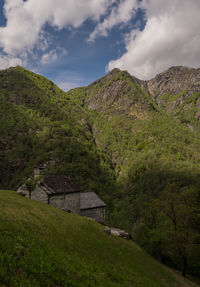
74, 42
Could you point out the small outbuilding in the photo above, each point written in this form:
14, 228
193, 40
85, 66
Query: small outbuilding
92, 206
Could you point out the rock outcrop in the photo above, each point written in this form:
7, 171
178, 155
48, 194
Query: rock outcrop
177, 80
117, 232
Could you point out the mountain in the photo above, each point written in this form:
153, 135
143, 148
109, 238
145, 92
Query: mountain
177, 90
174, 81
135, 143
155, 155
127, 118
44, 246
40, 123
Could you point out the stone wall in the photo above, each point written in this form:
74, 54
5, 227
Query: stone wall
98, 214
39, 194
69, 202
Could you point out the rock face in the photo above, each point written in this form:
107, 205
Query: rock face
174, 81
177, 91
118, 93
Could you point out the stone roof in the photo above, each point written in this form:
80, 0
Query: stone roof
59, 184
90, 200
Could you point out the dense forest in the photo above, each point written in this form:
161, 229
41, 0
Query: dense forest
136, 143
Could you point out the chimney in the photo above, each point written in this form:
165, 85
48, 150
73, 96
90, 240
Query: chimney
36, 172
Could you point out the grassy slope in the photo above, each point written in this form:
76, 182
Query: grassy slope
44, 246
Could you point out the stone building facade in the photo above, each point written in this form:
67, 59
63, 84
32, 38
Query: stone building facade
61, 192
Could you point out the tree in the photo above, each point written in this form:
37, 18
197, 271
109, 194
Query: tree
169, 227
180, 209
31, 184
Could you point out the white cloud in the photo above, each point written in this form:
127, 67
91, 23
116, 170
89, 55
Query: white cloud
50, 57
44, 41
53, 55
26, 20
171, 37
7, 61
119, 15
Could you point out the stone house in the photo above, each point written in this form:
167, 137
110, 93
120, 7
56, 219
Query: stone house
61, 192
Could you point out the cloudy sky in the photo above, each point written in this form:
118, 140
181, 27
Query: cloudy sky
74, 42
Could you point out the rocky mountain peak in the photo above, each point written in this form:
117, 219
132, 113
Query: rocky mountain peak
118, 92
174, 81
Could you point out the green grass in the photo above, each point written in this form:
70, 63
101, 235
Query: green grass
44, 246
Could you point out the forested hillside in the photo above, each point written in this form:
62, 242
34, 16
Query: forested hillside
136, 143
39, 122
155, 152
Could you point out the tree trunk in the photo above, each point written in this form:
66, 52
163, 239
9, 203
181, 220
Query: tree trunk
184, 271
